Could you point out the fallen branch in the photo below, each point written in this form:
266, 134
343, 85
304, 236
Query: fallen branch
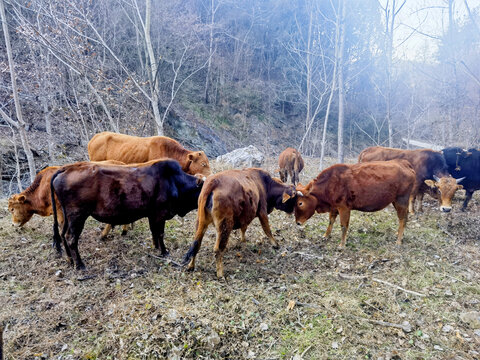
307, 255
86, 277
405, 327
364, 277
166, 260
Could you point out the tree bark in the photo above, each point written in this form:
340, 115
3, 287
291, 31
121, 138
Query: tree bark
19, 124
341, 86
153, 69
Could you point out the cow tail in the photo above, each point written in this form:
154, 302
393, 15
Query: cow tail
56, 235
204, 200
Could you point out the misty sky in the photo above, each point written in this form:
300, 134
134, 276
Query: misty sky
429, 17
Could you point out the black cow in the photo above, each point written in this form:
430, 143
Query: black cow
464, 163
116, 195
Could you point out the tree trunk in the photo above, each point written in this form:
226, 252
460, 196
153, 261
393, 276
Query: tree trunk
341, 86
153, 69
210, 51
19, 124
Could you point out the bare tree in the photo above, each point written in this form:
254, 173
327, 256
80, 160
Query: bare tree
19, 124
341, 83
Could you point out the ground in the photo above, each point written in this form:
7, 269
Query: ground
306, 300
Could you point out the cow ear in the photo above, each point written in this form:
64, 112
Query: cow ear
430, 183
21, 199
200, 179
459, 187
190, 156
285, 197
199, 153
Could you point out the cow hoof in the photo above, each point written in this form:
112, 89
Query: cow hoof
124, 232
190, 268
165, 253
463, 209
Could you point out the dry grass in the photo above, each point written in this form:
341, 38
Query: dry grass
272, 304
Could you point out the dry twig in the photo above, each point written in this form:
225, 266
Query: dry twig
364, 277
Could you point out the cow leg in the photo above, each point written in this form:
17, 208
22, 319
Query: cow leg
266, 229
125, 229
283, 175
344, 221
73, 233
468, 197
402, 213
413, 196
243, 230
292, 176
420, 199
57, 241
332, 217
296, 178
106, 231
224, 229
157, 228
64, 241
197, 242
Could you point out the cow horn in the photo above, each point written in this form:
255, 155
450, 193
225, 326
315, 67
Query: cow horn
458, 180
436, 178
299, 193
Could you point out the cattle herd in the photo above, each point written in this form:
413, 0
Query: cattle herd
129, 178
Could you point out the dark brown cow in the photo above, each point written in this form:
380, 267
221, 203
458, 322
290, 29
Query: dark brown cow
117, 195
427, 164
290, 163
231, 199
36, 199
134, 149
366, 187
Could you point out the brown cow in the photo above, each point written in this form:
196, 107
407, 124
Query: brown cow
290, 163
365, 187
427, 164
133, 149
231, 199
158, 190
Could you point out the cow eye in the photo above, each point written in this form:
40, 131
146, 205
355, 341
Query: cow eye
300, 203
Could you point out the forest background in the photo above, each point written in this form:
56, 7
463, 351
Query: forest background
328, 77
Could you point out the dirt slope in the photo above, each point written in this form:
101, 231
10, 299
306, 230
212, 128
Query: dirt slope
307, 300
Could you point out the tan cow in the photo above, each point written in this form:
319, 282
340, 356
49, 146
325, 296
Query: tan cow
290, 163
231, 200
134, 149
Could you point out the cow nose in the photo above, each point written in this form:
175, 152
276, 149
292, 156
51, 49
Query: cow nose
445, 209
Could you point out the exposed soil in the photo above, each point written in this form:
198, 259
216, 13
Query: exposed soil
307, 300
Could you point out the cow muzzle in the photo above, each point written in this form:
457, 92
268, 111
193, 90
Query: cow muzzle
16, 224
445, 209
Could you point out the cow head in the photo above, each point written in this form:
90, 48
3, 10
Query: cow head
282, 195
197, 163
306, 204
20, 208
447, 186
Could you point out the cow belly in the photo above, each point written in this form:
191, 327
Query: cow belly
120, 219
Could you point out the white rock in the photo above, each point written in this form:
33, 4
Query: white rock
334, 345
447, 328
263, 327
448, 292
436, 347
173, 315
212, 340
477, 332
472, 318
249, 156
